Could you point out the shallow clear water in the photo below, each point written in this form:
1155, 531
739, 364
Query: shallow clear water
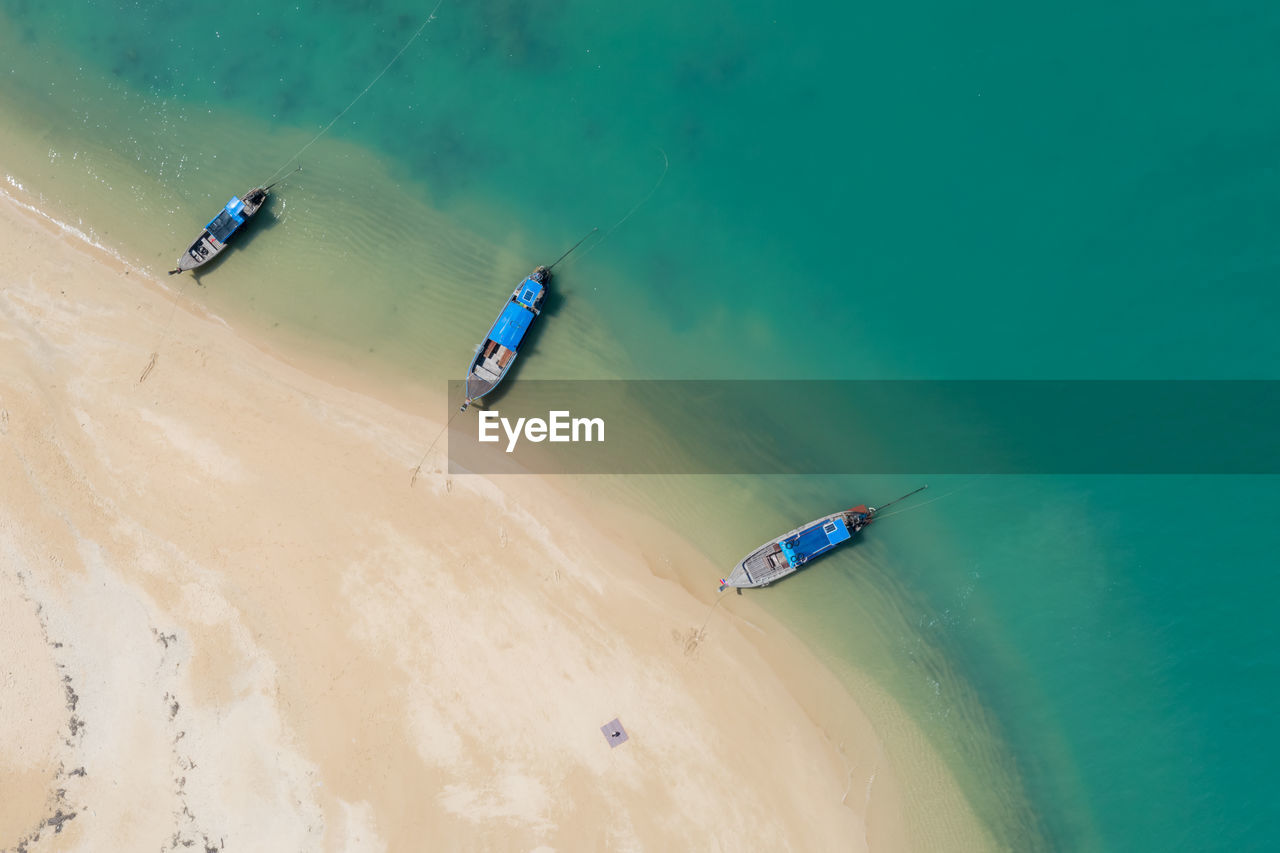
918, 191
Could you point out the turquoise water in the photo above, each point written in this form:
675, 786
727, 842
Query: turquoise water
922, 191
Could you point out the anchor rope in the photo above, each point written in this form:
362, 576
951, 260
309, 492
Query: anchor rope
713, 607
695, 638
930, 501
431, 17
569, 251
418, 468
666, 166
155, 353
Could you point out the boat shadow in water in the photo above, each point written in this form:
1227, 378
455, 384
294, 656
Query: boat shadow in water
265, 220
552, 305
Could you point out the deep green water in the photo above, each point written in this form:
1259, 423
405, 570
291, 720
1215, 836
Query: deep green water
921, 191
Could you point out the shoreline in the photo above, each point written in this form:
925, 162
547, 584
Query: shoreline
215, 582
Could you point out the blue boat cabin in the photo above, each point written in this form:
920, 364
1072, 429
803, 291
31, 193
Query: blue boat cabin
816, 540
512, 324
227, 221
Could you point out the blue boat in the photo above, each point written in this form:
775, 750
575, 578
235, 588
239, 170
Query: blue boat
220, 229
495, 356
788, 553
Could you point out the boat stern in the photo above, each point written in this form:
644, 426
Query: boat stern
530, 294
253, 200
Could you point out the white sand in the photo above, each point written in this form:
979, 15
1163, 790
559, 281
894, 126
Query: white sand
226, 619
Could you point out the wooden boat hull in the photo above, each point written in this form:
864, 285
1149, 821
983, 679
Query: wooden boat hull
495, 355
215, 236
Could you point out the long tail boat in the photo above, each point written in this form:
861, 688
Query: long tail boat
494, 357
786, 554
221, 228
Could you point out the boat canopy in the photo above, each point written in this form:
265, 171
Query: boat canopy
809, 543
528, 292
511, 326
226, 222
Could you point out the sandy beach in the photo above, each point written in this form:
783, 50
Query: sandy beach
229, 622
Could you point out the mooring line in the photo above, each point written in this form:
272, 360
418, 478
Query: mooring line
418, 468
282, 180
694, 640
666, 166
714, 605
155, 353
930, 501
431, 17
569, 251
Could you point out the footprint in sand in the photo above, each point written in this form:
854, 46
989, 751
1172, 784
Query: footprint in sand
502, 537
4, 421
146, 371
690, 639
